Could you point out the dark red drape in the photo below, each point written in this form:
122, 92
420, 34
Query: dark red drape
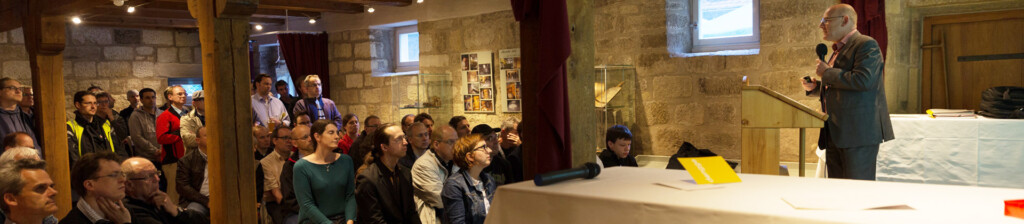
306, 54
545, 46
871, 20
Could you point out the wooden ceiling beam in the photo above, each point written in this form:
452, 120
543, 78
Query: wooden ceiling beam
303, 5
379, 2
132, 22
11, 14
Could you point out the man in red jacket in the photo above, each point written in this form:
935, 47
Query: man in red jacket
168, 135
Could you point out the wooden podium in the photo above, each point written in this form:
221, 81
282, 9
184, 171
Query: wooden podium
763, 112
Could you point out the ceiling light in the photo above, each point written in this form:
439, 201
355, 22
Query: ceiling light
258, 27
76, 20
312, 21
419, 1
370, 10
119, 2
131, 9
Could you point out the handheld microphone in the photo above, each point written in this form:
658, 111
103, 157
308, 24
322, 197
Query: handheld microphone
822, 50
587, 171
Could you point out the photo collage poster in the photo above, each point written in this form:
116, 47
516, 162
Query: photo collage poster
510, 70
478, 69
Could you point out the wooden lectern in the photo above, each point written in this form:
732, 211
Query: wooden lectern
763, 112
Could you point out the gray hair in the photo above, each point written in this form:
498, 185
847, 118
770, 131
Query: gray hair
11, 181
309, 79
511, 122
13, 153
131, 92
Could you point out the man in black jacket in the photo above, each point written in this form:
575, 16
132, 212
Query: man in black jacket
145, 200
384, 188
89, 133
192, 178
618, 139
98, 178
302, 146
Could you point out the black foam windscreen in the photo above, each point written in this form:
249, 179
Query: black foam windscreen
822, 49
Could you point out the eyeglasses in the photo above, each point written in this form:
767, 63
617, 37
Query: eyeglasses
483, 147
829, 18
148, 176
115, 175
12, 88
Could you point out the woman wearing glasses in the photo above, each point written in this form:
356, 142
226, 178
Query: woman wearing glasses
325, 181
467, 194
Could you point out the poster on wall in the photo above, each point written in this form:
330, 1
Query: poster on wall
477, 68
510, 67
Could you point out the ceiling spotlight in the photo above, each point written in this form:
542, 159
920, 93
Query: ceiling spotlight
258, 27
131, 9
419, 1
312, 21
370, 10
119, 2
76, 20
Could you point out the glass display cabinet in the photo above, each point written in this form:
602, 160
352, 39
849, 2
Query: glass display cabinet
614, 98
423, 93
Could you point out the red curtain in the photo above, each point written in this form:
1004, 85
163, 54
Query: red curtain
871, 20
306, 54
545, 44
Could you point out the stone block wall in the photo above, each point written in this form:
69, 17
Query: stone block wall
115, 59
358, 54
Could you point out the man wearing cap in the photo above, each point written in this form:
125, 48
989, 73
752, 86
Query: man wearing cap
500, 168
193, 120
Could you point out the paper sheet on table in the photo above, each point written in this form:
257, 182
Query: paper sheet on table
687, 185
844, 202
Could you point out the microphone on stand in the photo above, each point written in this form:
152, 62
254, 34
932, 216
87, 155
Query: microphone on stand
587, 171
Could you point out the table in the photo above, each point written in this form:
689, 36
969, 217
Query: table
960, 151
629, 195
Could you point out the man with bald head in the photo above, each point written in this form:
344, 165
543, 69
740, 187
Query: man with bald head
430, 171
145, 200
302, 146
852, 92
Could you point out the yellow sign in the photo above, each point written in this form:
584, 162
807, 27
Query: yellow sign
709, 170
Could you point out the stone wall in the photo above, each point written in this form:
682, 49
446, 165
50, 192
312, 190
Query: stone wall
358, 54
115, 59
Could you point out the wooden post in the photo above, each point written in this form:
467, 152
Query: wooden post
581, 81
223, 33
44, 41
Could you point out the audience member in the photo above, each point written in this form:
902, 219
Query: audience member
28, 101
142, 126
348, 132
426, 119
407, 121
281, 87
618, 139
429, 173
419, 142
94, 89
361, 146
383, 188
193, 182
19, 139
88, 133
191, 122
468, 193
28, 192
145, 200
262, 142
18, 153
302, 119
168, 135
302, 146
316, 106
272, 165
325, 195
461, 125
12, 119
104, 109
133, 104
270, 111
500, 169
512, 146
98, 178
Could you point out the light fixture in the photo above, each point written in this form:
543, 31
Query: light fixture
312, 21
76, 20
258, 27
370, 10
419, 1
119, 2
131, 9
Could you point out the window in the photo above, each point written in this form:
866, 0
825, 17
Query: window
719, 25
190, 85
407, 48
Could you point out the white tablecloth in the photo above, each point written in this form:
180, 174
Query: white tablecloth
629, 195
961, 151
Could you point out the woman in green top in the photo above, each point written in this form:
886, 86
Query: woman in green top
325, 181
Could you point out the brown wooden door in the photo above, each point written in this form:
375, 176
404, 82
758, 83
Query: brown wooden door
962, 55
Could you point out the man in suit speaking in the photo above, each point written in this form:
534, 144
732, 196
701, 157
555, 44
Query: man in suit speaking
852, 92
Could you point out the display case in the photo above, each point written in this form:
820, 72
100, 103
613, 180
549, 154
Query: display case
423, 93
614, 98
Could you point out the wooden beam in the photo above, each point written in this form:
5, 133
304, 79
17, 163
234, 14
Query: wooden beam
581, 82
151, 18
11, 13
123, 21
379, 2
224, 41
44, 41
305, 5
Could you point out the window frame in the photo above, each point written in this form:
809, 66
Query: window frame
399, 65
723, 44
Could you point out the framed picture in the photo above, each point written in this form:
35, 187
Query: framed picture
478, 71
510, 72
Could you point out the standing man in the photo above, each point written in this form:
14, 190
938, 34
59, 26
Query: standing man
168, 135
87, 132
133, 100
104, 109
191, 122
270, 111
852, 93
316, 106
281, 87
28, 101
142, 126
12, 119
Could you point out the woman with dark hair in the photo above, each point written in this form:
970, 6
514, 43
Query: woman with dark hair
325, 181
348, 132
383, 188
467, 194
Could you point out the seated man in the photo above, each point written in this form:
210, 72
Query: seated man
19, 139
145, 200
419, 142
618, 139
192, 182
272, 165
429, 173
97, 177
27, 192
302, 146
384, 188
